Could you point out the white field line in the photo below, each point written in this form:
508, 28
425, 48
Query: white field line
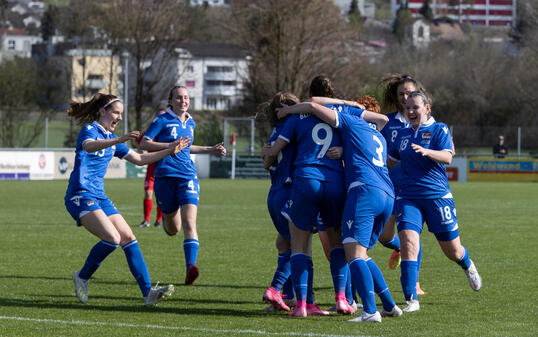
177, 328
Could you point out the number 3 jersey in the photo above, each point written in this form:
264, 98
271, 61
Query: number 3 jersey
167, 128
90, 167
313, 138
365, 150
422, 178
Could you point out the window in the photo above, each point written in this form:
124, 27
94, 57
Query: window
189, 84
95, 77
11, 45
192, 106
211, 103
216, 69
190, 69
216, 83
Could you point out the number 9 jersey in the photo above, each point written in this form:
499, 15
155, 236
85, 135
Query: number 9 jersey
167, 128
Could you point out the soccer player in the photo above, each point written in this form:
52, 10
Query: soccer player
369, 200
423, 150
176, 181
281, 171
87, 202
148, 183
396, 89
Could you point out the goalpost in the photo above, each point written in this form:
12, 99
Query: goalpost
238, 134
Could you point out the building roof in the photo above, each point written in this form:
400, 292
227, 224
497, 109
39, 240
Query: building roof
199, 49
13, 31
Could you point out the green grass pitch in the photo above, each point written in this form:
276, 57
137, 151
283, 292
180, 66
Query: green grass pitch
41, 247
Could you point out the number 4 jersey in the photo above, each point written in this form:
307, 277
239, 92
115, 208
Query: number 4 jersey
167, 128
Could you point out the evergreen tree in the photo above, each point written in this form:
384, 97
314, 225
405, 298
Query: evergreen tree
426, 10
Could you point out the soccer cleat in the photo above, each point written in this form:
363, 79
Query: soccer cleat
144, 224
313, 309
474, 278
394, 260
419, 290
343, 307
192, 274
366, 317
271, 308
412, 305
290, 302
273, 296
81, 288
298, 312
156, 294
395, 312
158, 223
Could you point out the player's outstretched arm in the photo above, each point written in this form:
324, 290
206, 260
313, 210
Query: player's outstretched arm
442, 157
96, 145
151, 157
334, 101
216, 150
378, 119
151, 145
325, 114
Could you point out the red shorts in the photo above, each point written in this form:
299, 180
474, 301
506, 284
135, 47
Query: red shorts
150, 177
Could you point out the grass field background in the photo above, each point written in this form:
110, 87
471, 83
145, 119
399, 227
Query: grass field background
41, 248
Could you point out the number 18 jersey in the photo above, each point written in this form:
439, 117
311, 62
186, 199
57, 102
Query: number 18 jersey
313, 138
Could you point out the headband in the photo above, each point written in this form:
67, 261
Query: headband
418, 93
112, 101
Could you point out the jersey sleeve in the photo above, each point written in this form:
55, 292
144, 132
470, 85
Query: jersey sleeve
153, 129
443, 139
288, 131
392, 150
88, 132
121, 150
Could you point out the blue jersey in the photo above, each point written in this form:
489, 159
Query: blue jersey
90, 168
395, 124
365, 151
282, 168
314, 138
423, 178
167, 128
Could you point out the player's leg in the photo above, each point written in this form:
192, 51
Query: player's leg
390, 239
281, 275
190, 241
299, 267
148, 195
456, 252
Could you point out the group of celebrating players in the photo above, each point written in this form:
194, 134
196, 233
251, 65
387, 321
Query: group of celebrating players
329, 173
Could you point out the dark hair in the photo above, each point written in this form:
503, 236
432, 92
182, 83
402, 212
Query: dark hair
171, 93
88, 112
321, 86
269, 107
369, 102
422, 94
390, 90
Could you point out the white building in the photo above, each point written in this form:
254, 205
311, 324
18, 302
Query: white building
367, 9
214, 74
16, 42
211, 2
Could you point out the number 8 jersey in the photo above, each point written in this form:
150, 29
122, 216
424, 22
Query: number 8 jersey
167, 128
314, 138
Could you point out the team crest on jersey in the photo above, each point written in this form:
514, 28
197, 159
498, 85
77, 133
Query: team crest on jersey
290, 202
303, 116
445, 129
426, 135
90, 203
349, 223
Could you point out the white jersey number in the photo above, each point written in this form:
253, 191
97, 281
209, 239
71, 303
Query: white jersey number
403, 144
445, 213
325, 142
173, 132
393, 136
379, 150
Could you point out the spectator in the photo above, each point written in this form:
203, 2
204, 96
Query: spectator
499, 149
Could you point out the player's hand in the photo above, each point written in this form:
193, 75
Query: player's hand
419, 149
266, 150
335, 152
282, 112
178, 145
218, 150
129, 135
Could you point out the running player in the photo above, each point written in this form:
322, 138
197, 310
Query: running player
425, 195
369, 200
176, 181
87, 202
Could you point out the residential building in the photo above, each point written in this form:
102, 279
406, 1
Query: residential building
367, 9
16, 42
475, 12
211, 2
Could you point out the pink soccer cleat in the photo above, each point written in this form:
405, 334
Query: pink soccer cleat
343, 307
298, 312
312, 309
273, 296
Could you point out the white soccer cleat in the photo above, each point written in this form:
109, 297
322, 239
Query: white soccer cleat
81, 288
474, 278
156, 294
144, 224
412, 305
395, 312
366, 317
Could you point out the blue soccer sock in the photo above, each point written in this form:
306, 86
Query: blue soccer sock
299, 275
349, 288
287, 288
380, 286
138, 266
190, 248
393, 244
283, 270
338, 269
465, 261
362, 278
409, 279
310, 297
97, 254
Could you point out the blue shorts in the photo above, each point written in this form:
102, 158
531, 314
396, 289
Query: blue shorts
439, 215
172, 193
308, 197
367, 210
79, 205
276, 201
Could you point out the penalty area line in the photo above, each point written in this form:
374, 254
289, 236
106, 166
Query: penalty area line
177, 328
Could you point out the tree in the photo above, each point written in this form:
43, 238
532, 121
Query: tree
404, 18
426, 10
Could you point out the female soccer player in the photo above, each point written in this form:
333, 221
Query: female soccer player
369, 200
423, 150
396, 89
87, 202
176, 181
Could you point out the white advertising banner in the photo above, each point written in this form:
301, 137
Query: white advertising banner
24, 165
